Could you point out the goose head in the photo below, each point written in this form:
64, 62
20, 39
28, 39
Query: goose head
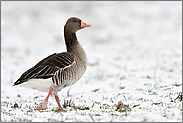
74, 24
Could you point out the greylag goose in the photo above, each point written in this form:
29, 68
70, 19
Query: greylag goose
58, 70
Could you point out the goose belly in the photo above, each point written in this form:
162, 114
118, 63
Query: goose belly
38, 84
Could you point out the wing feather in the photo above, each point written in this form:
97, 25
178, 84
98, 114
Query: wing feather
47, 67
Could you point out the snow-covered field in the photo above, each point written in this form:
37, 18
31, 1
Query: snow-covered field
134, 52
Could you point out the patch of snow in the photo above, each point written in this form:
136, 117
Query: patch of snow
134, 52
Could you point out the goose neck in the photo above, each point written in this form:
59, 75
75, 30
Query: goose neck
73, 45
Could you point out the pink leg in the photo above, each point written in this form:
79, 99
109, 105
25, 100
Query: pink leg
57, 100
43, 104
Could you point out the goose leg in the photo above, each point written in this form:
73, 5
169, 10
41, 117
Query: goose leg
57, 100
43, 104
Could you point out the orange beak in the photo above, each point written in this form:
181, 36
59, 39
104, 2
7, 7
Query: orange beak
83, 25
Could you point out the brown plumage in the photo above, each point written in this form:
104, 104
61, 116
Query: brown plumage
58, 70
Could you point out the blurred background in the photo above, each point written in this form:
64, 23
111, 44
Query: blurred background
136, 45
120, 30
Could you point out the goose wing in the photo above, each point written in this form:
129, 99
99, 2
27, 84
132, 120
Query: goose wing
47, 67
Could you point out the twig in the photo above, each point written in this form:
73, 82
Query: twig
93, 104
179, 96
122, 107
69, 103
95, 90
136, 105
156, 103
91, 117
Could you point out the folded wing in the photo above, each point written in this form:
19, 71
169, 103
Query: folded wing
47, 67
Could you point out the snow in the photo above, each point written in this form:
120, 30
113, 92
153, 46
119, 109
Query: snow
135, 45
